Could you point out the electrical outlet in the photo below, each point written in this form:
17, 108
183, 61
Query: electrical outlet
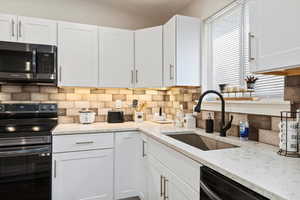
119, 104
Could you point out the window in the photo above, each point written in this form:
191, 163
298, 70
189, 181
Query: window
226, 53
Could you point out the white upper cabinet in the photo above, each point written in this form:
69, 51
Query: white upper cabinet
149, 57
116, 58
27, 30
8, 27
274, 41
78, 55
182, 51
37, 31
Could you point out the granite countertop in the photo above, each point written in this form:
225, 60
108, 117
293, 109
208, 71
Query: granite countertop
254, 165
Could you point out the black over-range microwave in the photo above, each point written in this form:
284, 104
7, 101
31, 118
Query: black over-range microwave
28, 63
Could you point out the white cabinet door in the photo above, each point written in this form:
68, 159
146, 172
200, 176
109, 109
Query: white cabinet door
86, 175
176, 189
275, 41
148, 57
78, 55
8, 27
182, 51
116, 49
129, 174
37, 31
170, 52
155, 180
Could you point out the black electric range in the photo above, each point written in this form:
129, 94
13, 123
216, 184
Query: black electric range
25, 150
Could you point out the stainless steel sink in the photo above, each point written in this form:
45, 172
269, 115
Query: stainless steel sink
201, 142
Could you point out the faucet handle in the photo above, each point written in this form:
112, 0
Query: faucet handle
227, 127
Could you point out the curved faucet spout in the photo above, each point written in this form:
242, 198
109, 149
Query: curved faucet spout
224, 127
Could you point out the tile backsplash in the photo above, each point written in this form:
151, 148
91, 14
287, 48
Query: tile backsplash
71, 100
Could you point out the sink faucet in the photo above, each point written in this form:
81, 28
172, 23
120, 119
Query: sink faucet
224, 128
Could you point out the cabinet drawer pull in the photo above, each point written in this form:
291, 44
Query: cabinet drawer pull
251, 36
88, 142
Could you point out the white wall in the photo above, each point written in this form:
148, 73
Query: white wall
204, 8
81, 11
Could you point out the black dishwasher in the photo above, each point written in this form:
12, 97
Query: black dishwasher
215, 186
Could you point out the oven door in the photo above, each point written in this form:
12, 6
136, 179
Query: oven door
25, 173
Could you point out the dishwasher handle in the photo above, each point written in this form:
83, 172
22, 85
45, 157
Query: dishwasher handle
211, 194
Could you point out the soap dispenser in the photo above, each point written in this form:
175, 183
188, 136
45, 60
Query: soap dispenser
209, 124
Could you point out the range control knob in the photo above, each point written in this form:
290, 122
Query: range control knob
2, 108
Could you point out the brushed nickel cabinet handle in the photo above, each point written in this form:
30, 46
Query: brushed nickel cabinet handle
54, 170
251, 36
132, 77
136, 76
20, 29
60, 73
171, 72
87, 142
161, 186
166, 196
13, 28
144, 152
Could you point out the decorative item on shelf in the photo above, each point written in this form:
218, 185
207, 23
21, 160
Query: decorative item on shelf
289, 134
222, 87
232, 93
251, 80
139, 115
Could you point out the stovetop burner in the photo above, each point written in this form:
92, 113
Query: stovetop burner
21, 122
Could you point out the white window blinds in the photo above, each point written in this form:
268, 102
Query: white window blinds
226, 47
227, 52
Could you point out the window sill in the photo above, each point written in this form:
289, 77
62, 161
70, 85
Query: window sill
261, 107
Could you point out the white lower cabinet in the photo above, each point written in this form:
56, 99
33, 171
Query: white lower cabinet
86, 175
114, 166
129, 166
83, 167
164, 184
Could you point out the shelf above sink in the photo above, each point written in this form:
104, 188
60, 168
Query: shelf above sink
201, 142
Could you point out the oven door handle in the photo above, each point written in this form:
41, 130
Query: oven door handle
211, 194
41, 151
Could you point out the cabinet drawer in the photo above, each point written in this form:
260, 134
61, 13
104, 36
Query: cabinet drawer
67, 143
185, 168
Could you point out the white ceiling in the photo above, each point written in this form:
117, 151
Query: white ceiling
156, 9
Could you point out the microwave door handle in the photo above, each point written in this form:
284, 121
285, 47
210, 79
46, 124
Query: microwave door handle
43, 151
34, 60
211, 194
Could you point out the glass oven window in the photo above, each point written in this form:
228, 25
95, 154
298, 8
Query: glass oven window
26, 177
16, 61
